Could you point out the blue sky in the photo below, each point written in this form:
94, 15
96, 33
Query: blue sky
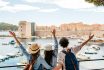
50, 12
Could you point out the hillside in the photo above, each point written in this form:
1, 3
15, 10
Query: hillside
7, 26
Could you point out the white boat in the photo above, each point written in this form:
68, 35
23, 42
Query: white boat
82, 57
11, 55
95, 47
80, 41
74, 37
90, 51
5, 44
29, 43
3, 58
23, 62
18, 54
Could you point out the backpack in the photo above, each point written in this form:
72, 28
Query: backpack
71, 62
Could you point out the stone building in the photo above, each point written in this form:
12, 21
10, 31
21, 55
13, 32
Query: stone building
26, 29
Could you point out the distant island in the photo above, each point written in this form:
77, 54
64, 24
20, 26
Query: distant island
6, 26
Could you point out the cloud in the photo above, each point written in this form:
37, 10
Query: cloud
6, 6
21, 7
71, 4
94, 9
48, 10
40, 1
80, 5
3, 3
18, 8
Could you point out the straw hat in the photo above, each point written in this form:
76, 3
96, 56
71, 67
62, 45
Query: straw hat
48, 47
33, 48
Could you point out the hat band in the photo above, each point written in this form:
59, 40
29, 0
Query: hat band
35, 49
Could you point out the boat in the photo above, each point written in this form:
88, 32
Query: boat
18, 54
5, 44
23, 62
95, 47
90, 51
11, 55
30, 43
3, 58
12, 42
102, 44
82, 57
80, 41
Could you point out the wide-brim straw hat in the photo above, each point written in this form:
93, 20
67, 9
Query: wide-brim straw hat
33, 48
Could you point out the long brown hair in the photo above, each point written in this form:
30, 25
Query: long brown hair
34, 56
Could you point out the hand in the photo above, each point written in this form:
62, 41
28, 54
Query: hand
27, 67
53, 31
91, 36
12, 33
31, 67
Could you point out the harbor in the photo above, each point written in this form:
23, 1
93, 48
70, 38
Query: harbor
10, 54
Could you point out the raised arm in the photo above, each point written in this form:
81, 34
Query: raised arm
18, 42
76, 49
54, 60
55, 39
90, 37
14, 35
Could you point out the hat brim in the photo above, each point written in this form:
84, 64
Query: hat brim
31, 51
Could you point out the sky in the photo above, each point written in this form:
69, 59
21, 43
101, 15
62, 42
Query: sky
50, 12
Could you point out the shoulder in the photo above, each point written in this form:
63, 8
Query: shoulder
40, 57
61, 55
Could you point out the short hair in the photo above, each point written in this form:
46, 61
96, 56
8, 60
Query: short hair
64, 42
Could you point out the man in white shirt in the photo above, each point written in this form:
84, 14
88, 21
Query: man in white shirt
61, 56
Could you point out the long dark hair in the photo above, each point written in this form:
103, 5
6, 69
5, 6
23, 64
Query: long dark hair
48, 56
33, 57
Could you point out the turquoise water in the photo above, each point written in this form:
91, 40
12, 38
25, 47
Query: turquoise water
5, 49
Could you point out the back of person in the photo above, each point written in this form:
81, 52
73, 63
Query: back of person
71, 62
48, 57
40, 64
35, 61
66, 59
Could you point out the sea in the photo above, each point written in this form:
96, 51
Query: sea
6, 48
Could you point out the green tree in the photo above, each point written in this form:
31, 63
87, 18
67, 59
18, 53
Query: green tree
6, 26
96, 2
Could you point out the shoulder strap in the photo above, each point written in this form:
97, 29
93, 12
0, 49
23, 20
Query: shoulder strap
70, 58
68, 51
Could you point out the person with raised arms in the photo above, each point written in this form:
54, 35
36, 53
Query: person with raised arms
35, 60
66, 58
51, 51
